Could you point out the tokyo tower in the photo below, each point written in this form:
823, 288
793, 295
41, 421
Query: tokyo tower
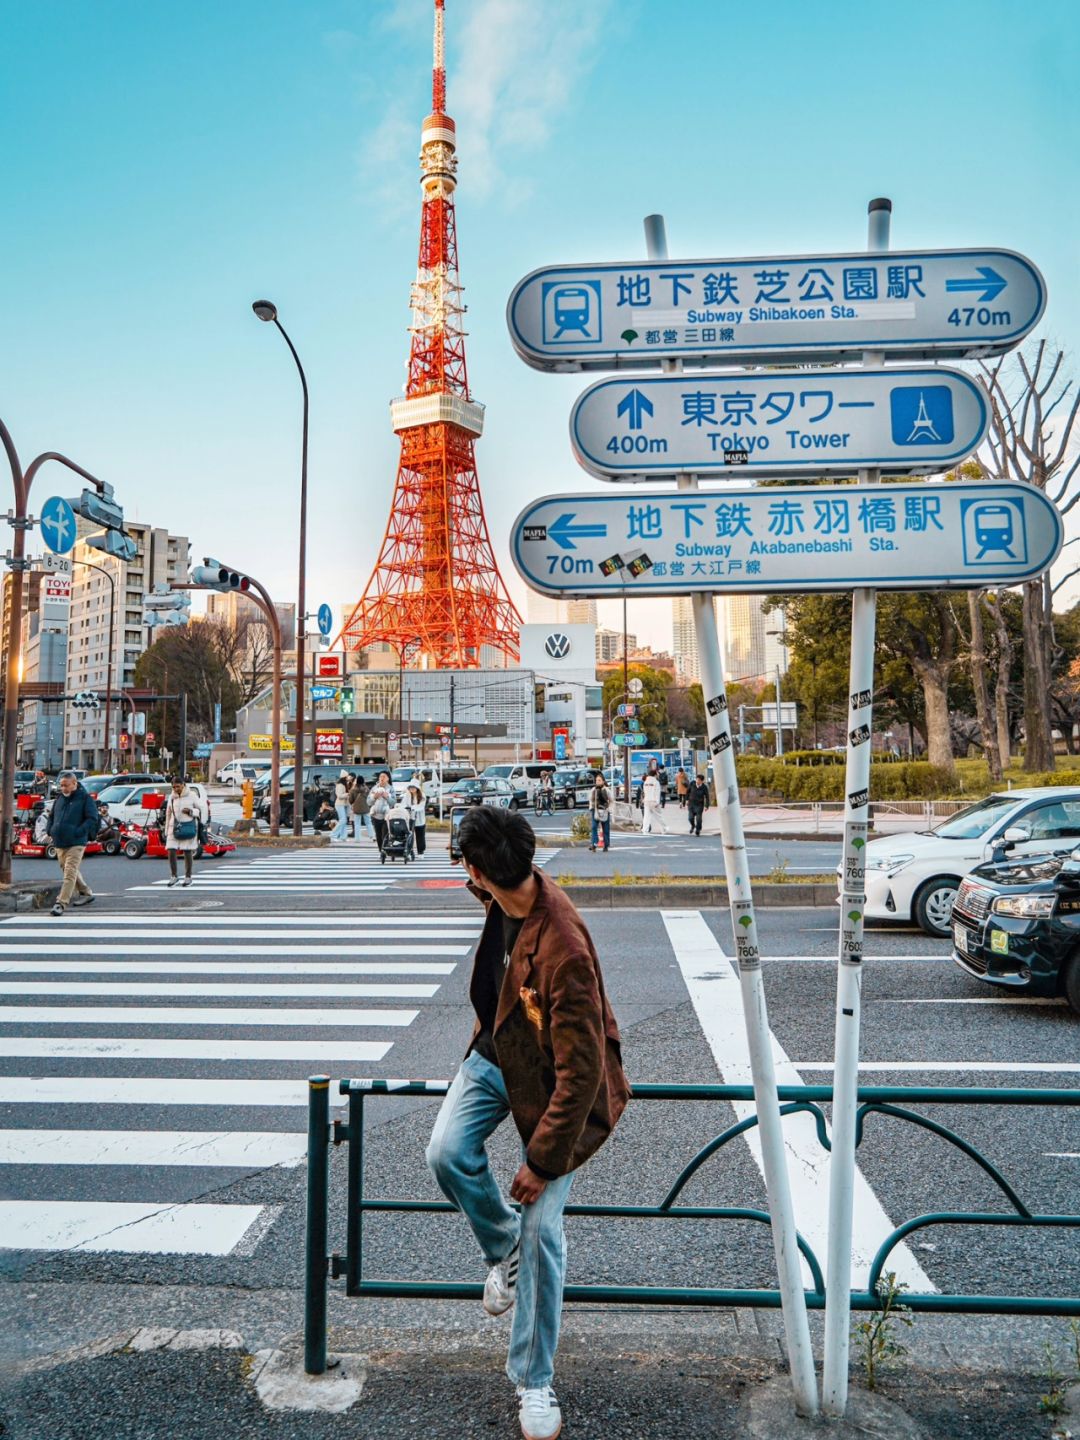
436, 593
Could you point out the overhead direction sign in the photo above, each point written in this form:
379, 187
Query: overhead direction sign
790, 422
917, 304
57, 524
926, 536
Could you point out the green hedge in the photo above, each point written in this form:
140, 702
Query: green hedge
903, 780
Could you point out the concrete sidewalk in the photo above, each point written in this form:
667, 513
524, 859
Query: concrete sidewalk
790, 822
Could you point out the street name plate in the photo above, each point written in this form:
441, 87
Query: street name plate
792, 422
918, 304
926, 536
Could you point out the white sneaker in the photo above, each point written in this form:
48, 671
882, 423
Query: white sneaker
539, 1413
501, 1283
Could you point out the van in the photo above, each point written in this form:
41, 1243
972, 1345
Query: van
125, 800
522, 775
451, 772
239, 770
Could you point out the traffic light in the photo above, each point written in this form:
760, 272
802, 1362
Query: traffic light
87, 700
212, 575
102, 509
345, 700
166, 607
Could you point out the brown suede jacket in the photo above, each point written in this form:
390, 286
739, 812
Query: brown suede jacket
555, 1036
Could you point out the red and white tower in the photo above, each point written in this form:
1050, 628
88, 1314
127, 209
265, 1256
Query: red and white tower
436, 593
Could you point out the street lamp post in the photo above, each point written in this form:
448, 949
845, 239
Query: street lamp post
266, 310
109, 671
18, 564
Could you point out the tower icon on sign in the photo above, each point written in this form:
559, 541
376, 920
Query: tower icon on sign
923, 427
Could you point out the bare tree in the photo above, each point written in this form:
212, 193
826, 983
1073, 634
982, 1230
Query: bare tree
984, 710
1026, 446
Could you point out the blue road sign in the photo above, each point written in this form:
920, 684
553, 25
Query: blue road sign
928, 536
818, 422
915, 304
57, 525
203, 751
323, 692
326, 619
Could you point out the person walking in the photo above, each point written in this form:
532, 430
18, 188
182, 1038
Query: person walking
380, 798
682, 787
341, 805
662, 776
418, 807
183, 820
73, 822
651, 810
696, 801
600, 813
358, 799
545, 1049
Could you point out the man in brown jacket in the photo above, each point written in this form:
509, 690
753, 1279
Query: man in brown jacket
546, 1050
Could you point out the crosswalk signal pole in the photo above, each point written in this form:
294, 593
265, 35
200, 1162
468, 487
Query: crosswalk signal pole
755, 1013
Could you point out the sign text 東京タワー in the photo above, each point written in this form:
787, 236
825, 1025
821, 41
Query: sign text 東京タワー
915, 304
799, 538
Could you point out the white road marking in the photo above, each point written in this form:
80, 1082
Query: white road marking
127, 1227
151, 1090
192, 949
299, 938
714, 989
296, 1017
1001, 1001
298, 966
359, 921
309, 991
140, 1048
242, 1149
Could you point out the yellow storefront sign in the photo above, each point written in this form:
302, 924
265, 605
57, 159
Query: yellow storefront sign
266, 742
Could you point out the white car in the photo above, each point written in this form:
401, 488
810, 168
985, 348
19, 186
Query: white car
915, 875
126, 806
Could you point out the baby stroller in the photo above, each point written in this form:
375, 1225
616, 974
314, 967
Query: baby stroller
397, 840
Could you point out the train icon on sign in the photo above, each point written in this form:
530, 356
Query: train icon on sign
993, 533
571, 312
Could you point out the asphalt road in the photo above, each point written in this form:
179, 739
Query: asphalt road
155, 1044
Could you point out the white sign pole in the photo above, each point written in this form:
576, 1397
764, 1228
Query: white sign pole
849, 968
755, 1012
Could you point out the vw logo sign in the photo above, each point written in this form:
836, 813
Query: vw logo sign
557, 646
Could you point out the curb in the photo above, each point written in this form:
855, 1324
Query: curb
29, 895
693, 897
278, 842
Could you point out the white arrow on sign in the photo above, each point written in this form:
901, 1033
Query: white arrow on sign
927, 536
817, 422
922, 304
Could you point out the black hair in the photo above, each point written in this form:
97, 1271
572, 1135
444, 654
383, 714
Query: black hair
499, 843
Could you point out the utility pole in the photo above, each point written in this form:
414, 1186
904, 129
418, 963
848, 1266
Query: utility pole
779, 724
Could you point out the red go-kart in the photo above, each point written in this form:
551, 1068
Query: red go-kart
107, 843
149, 839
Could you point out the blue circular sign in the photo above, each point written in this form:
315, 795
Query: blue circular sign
57, 525
326, 619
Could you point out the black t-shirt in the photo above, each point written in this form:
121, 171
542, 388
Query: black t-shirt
492, 962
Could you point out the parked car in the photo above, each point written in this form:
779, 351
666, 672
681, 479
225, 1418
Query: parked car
95, 784
524, 776
125, 801
915, 875
241, 769
573, 787
1016, 924
482, 791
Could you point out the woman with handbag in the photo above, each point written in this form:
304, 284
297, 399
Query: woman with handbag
600, 813
183, 820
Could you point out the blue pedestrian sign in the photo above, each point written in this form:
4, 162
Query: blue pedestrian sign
326, 619
783, 422
921, 536
57, 525
914, 304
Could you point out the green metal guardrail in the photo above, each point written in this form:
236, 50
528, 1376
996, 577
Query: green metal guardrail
885, 1100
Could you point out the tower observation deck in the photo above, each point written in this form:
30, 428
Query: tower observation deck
436, 594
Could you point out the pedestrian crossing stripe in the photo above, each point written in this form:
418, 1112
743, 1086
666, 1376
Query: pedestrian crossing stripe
95, 978
346, 870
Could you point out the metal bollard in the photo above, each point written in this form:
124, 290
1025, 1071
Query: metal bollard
315, 1259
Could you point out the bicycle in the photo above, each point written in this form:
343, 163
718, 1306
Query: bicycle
544, 803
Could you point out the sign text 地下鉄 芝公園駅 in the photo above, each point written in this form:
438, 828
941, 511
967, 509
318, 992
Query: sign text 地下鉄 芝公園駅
791, 538
919, 304
789, 422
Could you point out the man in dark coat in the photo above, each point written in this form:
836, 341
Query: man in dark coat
545, 1050
696, 800
74, 822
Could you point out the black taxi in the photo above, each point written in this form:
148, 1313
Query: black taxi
1016, 924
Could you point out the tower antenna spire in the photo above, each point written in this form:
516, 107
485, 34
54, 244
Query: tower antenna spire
438, 71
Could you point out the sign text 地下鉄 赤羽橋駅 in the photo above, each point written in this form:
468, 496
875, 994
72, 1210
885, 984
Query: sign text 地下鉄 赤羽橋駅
791, 422
917, 304
792, 538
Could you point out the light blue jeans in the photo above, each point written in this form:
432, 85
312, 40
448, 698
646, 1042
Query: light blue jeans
341, 829
475, 1105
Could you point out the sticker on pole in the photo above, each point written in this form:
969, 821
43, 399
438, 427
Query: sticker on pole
918, 304
809, 422
930, 536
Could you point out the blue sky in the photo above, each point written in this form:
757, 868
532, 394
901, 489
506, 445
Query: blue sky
165, 165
